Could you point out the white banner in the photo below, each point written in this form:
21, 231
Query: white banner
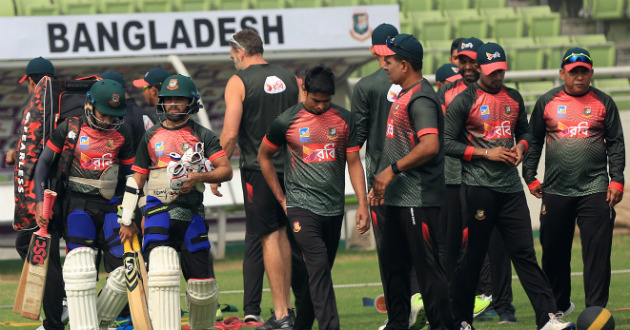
115, 35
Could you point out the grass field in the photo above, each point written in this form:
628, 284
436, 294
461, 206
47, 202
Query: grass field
358, 273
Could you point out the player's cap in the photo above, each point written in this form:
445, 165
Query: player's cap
108, 97
379, 38
178, 85
575, 57
448, 72
115, 76
491, 57
155, 77
404, 45
469, 47
38, 66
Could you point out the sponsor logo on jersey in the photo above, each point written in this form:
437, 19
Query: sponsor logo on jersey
396, 107
360, 27
508, 110
497, 130
562, 111
163, 162
159, 149
332, 133
172, 84
305, 134
321, 152
390, 128
543, 209
296, 226
392, 94
84, 142
96, 160
485, 112
274, 85
115, 101
573, 129
587, 112
480, 215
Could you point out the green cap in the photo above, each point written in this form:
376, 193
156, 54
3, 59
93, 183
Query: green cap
178, 85
39, 66
108, 97
491, 57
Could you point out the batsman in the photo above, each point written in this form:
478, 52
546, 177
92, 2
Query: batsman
90, 151
173, 161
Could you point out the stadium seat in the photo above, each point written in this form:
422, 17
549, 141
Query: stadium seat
369, 68
193, 5
533, 10
441, 49
543, 25
117, 6
77, 7
482, 4
523, 54
504, 23
268, 4
341, 3
232, 4
588, 39
603, 53
444, 5
406, 24
532, 90
468, 22
155, 6
306, 3
37, 8
416, 5
555, 48
7, 8
510, 85
617, 88
431, 25
607, 9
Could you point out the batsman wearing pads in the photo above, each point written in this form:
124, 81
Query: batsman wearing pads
176, 157
90, 151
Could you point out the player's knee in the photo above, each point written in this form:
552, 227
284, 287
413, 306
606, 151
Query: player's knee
196, 237
81, 230
157, 222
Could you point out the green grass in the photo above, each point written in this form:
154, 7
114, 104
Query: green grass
362, 267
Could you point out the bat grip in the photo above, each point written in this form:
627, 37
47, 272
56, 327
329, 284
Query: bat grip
43, 231
49, 201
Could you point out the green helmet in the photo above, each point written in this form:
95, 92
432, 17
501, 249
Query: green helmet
108, 97
178, 85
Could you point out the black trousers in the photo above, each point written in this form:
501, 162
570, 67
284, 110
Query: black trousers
595, 218
486, 210
408, 242
54, 291
318, 237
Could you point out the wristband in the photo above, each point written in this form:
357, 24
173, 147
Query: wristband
395, 168
486, 153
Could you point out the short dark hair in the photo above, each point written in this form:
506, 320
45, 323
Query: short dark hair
455, 45
249, 41
416, 65
37, 77
320, 79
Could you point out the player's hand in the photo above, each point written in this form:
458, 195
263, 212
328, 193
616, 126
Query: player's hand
283, 202
362, 218
613, 196
503, 155
127, 232
376, 196
10, 158
215, 189
518, 151
39, 214
537, 191
190, 182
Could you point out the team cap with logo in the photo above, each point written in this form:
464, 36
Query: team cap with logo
404, 45
108, 97
447, 72
38, 66
575, 57
154, 77
115, 76
379, 38
491, 57
178, 85
469, 47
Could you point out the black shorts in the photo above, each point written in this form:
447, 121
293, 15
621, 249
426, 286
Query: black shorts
264, 215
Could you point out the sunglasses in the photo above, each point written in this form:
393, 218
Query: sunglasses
232, 40
573, 58
391, 43
144, 88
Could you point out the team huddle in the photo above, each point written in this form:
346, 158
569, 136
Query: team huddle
443, 194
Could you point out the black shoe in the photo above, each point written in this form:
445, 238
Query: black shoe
507, 317
286, 323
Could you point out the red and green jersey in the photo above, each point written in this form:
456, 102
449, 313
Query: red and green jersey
94, 151
415, 112
584, 137
315, 163
446, 94
157, 144
480, 119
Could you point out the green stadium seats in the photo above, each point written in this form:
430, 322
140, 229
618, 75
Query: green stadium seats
307, 3
482, 4
440, 48
617, 88
36, 8
468, 22
532, 90
523, 54
504, 23
555, 48
155, 6
589, 39
416, 5
489, 12
533, 10
431, 25
543, 25
445, 5
429, 63
603, 53
269, 4
510, 85
117, 6
341, 3
607, 9
231, 4
77, 7
7, 8
192, 5
369, 68
381, 2
406, 24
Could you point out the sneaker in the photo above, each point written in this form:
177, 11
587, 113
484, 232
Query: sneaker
568, 310
556, 323
253, 318
418, 316
275, 324
465, 326
482, 304
64, 312
41, 327
382, 327
219, 315
507, 317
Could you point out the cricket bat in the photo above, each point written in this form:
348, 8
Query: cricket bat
33, 278
135, 274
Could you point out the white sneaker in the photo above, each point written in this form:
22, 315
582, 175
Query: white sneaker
253, 318
569, 310
556, 323
418, 316
65, 317
41, 327
465, 326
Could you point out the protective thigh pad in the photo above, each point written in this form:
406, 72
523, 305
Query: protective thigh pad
79, 274
157, 222
164, 303
202, 298
112, 298
81, 230
196, 236
111, 230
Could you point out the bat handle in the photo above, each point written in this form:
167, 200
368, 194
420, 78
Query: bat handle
135, 243
49, 201
43, 231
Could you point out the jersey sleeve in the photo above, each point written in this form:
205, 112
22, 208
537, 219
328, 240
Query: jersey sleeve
615, 146
424, 113
353, 142
126, 155
277, 135
539, 131
523, 133
360, 107
58, 137
143, 161
441, 93
212, 147
455, 141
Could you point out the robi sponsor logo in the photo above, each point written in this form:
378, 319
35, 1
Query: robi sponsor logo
497, 130
573, 130
321, 152
392, 94
390, 128
492, 56
274, 85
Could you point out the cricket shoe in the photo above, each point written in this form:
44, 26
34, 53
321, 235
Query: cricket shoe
65, 316
417, 316
219, 315
286, 323
556, 323
507, 317
569, 310
482, 304
253, 318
